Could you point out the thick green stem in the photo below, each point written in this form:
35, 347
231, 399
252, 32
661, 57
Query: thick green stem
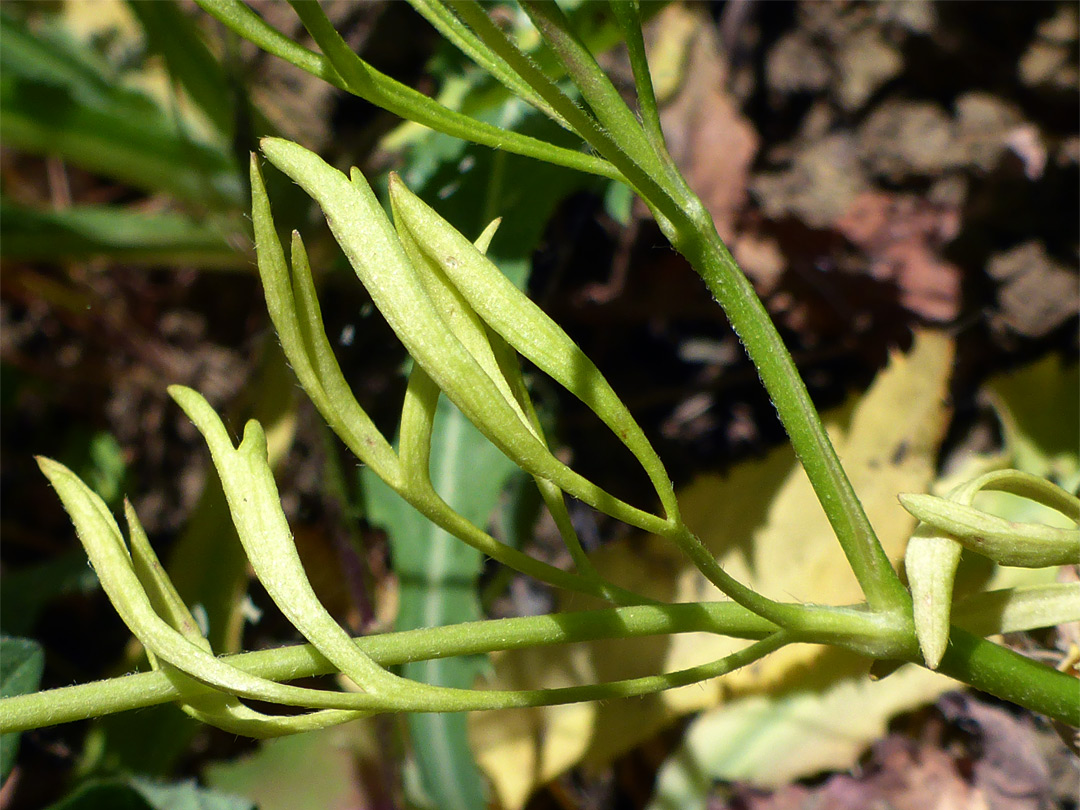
711, 259
84, 701
691, 230
981, 663
1010, 676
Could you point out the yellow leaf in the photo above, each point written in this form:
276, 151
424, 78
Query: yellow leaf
763, 522
769, 740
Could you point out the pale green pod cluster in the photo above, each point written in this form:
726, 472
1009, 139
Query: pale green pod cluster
950, 524
441, 296
496, 303
149, 605
430, 312
464, 324
148, 602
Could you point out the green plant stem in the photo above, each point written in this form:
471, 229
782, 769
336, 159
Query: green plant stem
595, 86
363, 80
981, 663
455, 31
691, 230
84, 701
1010, 676
628, 14
610, 145
786, 615
383, 91
714, 263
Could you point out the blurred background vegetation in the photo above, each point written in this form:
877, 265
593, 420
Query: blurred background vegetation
877, 168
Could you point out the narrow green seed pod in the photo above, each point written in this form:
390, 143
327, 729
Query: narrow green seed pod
109, 556
1023, 545
524, 326
294, 310
372, 247
260, 523
930, 561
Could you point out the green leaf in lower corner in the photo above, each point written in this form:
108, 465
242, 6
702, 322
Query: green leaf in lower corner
438, 584
142, 794
21, 664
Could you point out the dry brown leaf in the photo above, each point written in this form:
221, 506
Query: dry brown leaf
711, 141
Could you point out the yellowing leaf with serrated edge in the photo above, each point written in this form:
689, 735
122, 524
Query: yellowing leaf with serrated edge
766, 527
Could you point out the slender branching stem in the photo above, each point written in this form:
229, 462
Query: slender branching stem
400, 99
692, 232
80, 702
630, 150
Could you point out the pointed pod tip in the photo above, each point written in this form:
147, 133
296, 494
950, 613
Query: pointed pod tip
54, 471
933, 650
177, 392
47, 465
916, 504
258, 189
254, 441
296, 248
278, 149
397, 185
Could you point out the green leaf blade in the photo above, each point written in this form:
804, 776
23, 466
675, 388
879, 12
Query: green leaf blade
83, 232
21, 663
55, 100
438, 575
